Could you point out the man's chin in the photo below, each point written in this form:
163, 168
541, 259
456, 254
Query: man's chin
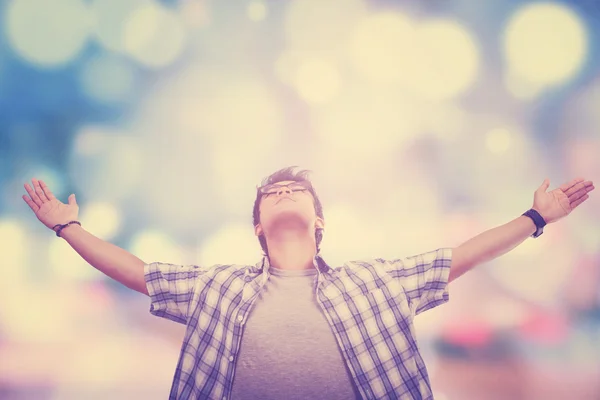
289, 218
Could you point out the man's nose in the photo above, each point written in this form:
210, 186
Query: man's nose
284, 191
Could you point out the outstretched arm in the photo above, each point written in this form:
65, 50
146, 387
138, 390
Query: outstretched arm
495, 242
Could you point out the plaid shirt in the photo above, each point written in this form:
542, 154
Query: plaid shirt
370, 305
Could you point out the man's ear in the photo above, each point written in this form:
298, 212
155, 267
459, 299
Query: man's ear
319, 223
258, 230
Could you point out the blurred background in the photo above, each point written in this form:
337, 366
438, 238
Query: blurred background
424, 123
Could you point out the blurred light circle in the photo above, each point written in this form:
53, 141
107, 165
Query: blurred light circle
154, 36
369, 123
217, 248
101, 218
498, 140
257, 11
111, 17
382, 47
545, 43
448, 60
317, 81
108, 78
46, 33
320, 26
154, 246
67, 265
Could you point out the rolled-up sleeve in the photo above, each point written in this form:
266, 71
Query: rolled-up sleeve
171, 288
424, 278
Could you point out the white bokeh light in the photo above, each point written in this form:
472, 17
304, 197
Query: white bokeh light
154, 36
231, 244
317, 81
257, 10
31, 28
111, 18
383, 47
545, 43
155, 246
101, 218
350, 234
498, 140
67, 265
14, 254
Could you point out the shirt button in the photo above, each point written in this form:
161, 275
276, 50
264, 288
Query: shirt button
241, 318
230, 358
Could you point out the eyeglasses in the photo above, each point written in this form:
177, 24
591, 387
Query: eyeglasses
275, 188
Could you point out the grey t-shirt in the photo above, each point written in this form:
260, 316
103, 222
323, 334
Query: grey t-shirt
288, 350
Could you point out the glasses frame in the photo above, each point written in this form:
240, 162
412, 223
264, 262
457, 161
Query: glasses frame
303, 185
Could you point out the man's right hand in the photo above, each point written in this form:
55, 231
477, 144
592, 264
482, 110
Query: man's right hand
47, 208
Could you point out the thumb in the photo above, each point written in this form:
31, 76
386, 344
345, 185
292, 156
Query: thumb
72, 199
544, 186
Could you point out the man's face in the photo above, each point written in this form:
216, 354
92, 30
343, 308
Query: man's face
287, 204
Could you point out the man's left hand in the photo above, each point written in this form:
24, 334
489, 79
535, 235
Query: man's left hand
559, 202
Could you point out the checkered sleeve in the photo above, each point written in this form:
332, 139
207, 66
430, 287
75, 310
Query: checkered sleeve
424, 278
171, 288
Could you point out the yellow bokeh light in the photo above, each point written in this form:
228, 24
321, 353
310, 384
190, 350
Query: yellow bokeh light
436, 60
154, 36
154, 246
217, 248
498, 140
257, 11
382, 47
111, 17
545, 43
448, 60
317, 81
101, 218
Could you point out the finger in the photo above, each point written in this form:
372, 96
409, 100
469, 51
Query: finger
39, 191
578, 202
33, 195
577, 195
47, 191
570, 184
581, 187
34, 207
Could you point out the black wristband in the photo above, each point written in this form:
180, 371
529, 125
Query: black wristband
64, 226
538, 220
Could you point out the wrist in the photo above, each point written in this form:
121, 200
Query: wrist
538, 221
64, 228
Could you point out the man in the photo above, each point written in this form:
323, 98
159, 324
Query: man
292, 326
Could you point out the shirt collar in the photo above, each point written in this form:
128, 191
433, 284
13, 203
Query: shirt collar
318, 262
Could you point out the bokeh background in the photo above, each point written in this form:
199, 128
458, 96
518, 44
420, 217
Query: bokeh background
424, 123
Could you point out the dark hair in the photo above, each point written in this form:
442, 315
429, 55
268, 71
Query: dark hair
287, 174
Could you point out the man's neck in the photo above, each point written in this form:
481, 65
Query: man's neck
292, 253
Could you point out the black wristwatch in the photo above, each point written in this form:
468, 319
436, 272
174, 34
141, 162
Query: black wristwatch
538, 220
